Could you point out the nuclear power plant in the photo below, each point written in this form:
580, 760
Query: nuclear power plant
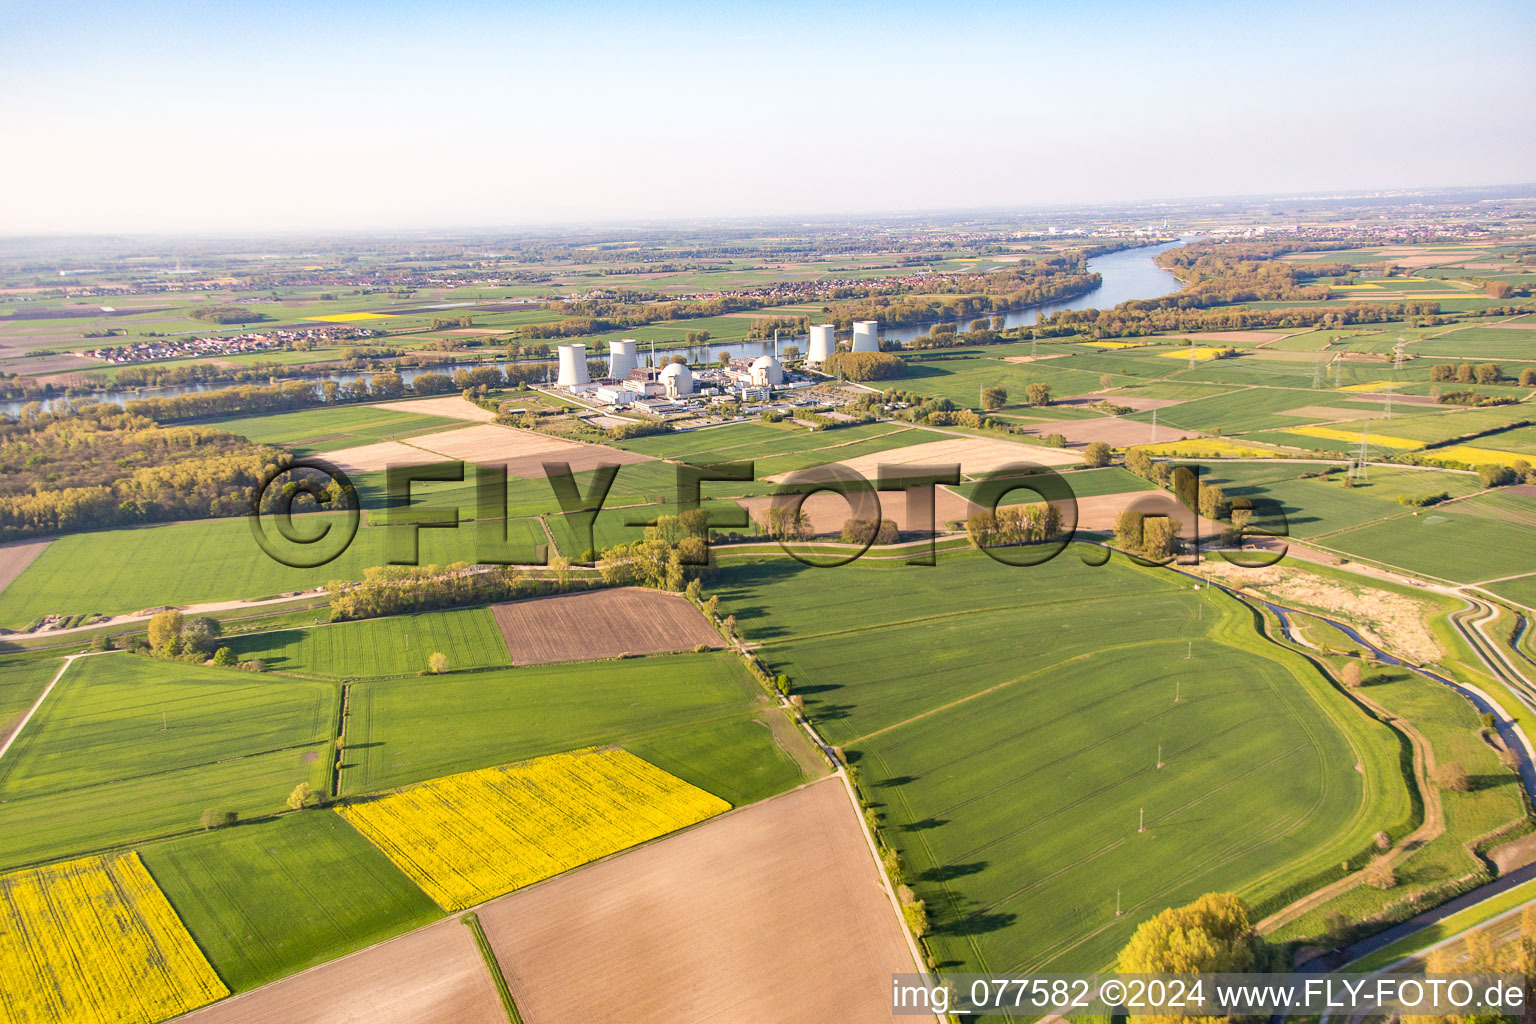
822, 343
866, 336
573, 367
621, 358
676, 380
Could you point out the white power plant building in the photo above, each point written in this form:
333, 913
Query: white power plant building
573, 366
621, 358
766, 372
866, 336
823, 343
676, 381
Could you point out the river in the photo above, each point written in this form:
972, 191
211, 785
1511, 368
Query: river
1128, 274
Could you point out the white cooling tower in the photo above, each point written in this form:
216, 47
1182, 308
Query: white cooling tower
621, 358
866, 336
676, 379
822, 343
573, 366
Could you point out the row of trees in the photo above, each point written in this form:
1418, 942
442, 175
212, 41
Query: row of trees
865, 366
1034, 523
1468, 373
400, 589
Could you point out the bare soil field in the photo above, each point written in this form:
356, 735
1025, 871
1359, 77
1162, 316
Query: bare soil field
1511, 327
1035, 359
434, 975
829, 511
1326, 412
1129, 401
370, 458
1396, 399
1099, 512
1259, 337
523, 452
601, 624
1112, 430
16, 555
453, 406
771, 913
974, 455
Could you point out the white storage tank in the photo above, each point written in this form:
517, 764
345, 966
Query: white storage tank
676, 380
866, 336
621, 358
823, 343
573, 366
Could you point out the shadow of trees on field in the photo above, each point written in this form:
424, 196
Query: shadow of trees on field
949, 872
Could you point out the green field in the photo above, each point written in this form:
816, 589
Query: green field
128, 747
271, 897
1482, 538
699, 716
381, 647
21, 681
324, 430
124, 571
1006, 723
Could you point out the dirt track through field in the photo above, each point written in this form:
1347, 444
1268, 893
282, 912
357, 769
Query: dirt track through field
601, 624
434, 975
773, 913
16, 555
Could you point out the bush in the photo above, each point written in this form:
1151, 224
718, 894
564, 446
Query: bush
1497, 476
225, 657
864, 531
1097, 454
254, 665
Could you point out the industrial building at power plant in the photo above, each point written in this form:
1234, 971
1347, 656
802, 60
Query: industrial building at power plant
674, 388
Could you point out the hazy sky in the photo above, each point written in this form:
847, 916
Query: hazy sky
201, 116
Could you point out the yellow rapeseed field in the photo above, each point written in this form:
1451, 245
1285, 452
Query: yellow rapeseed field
1115, 344
347, 318
95, 940
1470, 456
1206, 447
1201, 352
467, 838
1354, 436
1375, 385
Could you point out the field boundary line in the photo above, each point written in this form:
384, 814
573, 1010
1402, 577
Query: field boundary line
69, 659
471, 920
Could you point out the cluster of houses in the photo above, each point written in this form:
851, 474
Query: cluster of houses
187, 347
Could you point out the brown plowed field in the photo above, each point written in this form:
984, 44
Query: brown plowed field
601, 624
453, 406
1112, 430
769, 914
370, 458
829, 511
16, 555
434, 975
523, 452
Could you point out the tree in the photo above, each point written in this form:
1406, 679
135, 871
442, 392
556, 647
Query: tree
1497, 476
1354, 676
1528, 378
1039, 393
723, 357
1212, 935
198, 635
437, 663
1213, 503
300, 797
1097, 454
1106, 381
560, 569
730, 625
225, 657
209, 819
993, 398
164, 626
1379, 874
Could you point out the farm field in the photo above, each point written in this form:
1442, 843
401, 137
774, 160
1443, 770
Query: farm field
398, 645
433, 975
1019, 837
271, 897
317, 430
22, 681
123, 571
127, 747
601, 624
467, 838
1478, 539
94, 940
702, 925
700, 717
